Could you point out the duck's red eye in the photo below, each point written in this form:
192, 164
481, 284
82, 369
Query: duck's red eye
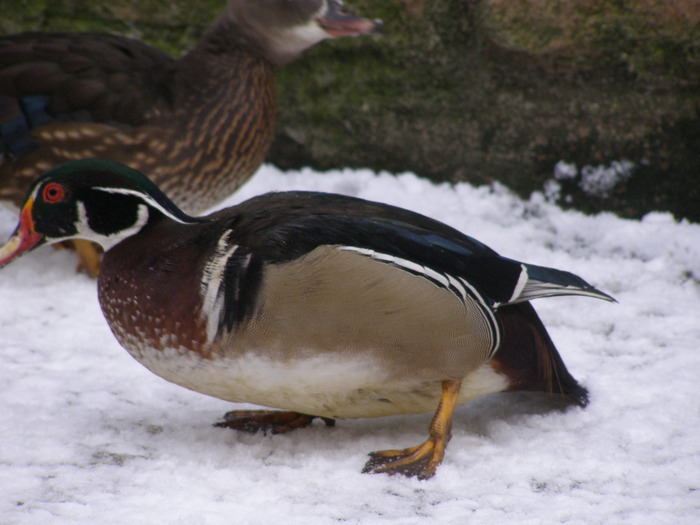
52, 193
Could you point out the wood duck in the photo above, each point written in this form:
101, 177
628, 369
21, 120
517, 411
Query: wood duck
199, 125
321, 305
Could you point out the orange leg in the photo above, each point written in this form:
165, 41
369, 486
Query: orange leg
89, 256
275, 421
422, 460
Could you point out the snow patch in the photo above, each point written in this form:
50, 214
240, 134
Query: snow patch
87, 435
596, 181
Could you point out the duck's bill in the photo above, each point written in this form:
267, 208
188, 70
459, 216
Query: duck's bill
338, 22
23, 240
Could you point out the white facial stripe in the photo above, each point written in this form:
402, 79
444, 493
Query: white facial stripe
146, 198
36, 193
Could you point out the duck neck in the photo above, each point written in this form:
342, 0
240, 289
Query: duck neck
226, 36
218, 61
137, 291
226, 70
224, 105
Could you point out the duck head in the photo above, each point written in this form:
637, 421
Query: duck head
94, 199
281, 30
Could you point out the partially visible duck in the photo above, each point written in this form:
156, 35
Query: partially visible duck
318, 304
199, 125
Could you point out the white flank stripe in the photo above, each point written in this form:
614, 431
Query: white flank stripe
459, 287
488, 313
458, 284
403, 263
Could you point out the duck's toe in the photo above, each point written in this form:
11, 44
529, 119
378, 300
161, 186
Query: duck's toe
274, 421
420, 461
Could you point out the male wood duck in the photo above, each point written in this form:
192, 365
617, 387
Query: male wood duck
199, 125
318, 304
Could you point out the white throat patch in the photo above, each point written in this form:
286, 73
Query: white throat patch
82, 226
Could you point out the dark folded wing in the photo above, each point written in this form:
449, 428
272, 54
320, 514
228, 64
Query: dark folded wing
293, 224
83, 77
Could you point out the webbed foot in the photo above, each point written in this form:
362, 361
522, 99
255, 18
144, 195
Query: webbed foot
423, 460
274, 421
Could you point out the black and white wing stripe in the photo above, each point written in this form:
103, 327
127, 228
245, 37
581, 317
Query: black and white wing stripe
535, 282
229, 284
461, 288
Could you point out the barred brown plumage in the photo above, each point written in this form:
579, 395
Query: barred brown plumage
199, 125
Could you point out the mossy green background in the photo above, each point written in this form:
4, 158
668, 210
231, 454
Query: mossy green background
477, 90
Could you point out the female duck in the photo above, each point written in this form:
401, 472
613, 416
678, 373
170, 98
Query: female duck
319, 304
199, 125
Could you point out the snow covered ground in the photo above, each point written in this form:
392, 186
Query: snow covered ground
88, 436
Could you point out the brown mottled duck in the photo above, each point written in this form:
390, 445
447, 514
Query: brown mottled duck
199, 126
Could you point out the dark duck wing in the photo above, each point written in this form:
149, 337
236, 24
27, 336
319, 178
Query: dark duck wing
61, 94
288, 225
